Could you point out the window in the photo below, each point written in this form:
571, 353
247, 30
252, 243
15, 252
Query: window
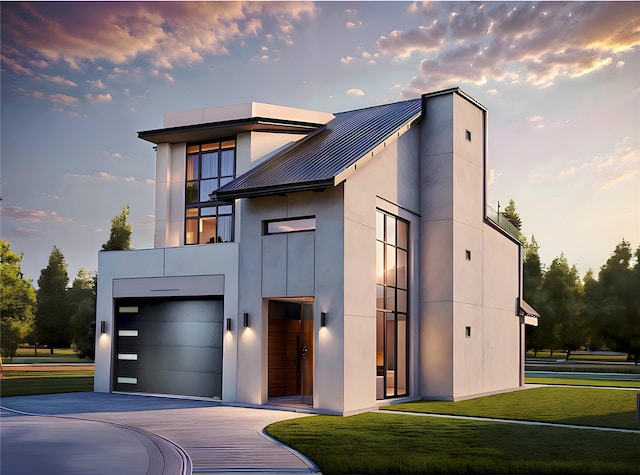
291, 225
468, 135
209, 166
392, 303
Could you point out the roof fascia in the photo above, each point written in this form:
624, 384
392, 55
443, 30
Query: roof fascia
395, 135
272, 190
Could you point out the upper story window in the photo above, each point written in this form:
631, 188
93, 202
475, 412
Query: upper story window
290, 225
209, 166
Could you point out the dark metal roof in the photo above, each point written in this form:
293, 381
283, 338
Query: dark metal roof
316, 161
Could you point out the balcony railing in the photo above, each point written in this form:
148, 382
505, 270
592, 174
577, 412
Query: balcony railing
503, 222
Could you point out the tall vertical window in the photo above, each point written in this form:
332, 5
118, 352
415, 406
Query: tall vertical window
209, 166
392, 303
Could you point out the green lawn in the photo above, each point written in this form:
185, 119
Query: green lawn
60, 355
387, 442
585, 382
50, 384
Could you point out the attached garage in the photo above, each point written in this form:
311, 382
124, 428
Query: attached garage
169, 346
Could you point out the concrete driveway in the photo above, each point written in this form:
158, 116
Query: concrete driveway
98, 433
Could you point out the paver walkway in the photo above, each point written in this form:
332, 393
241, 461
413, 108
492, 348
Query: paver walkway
217, 438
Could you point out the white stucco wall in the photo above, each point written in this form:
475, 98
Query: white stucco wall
469, 270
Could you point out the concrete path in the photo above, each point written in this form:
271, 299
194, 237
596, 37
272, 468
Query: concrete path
101, 433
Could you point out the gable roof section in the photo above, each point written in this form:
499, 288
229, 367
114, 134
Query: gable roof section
326, 156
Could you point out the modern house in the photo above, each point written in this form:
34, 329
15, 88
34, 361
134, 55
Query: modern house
336, 261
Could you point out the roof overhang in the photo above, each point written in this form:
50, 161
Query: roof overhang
216, 130
281, 189
530, 314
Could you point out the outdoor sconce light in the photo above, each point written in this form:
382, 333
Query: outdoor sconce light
323, 319
246, 319
103, 326
228, 324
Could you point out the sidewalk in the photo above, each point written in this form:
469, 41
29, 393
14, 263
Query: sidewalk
99, 433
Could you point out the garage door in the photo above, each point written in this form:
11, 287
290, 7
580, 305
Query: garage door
169, 346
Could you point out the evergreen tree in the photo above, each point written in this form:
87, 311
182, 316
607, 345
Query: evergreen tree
52, 314
536, 338
18, 302
120, 237
561, 305
82, 302
613, 301
512, 216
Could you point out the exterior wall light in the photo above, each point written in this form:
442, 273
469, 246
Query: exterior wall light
103, 327
246, 319
228, 324
323, 319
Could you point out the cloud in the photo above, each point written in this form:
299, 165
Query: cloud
31, 215
28, 231
105, 176
99, 98
352, 24
355, 92
98, 84
161, 33
347, 59
63, 99
531, 43
49, 195
58, 80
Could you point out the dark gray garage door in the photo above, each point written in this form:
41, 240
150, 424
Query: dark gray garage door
168, 346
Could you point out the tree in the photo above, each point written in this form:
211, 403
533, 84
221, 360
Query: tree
536, 337
120, 237
52, 315
18, 302
612, 303
561, 305
82, 302
512, 215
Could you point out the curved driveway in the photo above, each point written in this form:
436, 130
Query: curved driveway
98, 433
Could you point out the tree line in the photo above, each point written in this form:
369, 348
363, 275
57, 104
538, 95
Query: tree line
596, 312
56, 315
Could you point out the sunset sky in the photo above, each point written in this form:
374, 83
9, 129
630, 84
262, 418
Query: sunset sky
561, 82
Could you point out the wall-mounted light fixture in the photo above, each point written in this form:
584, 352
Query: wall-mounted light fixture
103, 326
323, 319
228, 324
246, 319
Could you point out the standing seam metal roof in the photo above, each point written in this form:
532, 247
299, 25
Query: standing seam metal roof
316, 160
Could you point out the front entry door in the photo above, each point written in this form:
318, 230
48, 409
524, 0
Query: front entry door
291, 351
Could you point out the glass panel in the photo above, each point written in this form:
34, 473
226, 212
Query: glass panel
193, 148
192, 167
379, 226
207, 230
390, 236
380, 296
291, 225
391, 298
206, 187
225, 228
402, 269
192, 212
191, 236
191, 192
207, 147
390, 354
401, 368
379, 262
224, 181
210, 165
227, 163
401, 299
390, 266
208, 211
403, 234
380, 343
227, 209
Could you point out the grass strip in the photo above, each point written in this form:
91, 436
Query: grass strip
585, 382
396, 443
50, 384
593, 406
